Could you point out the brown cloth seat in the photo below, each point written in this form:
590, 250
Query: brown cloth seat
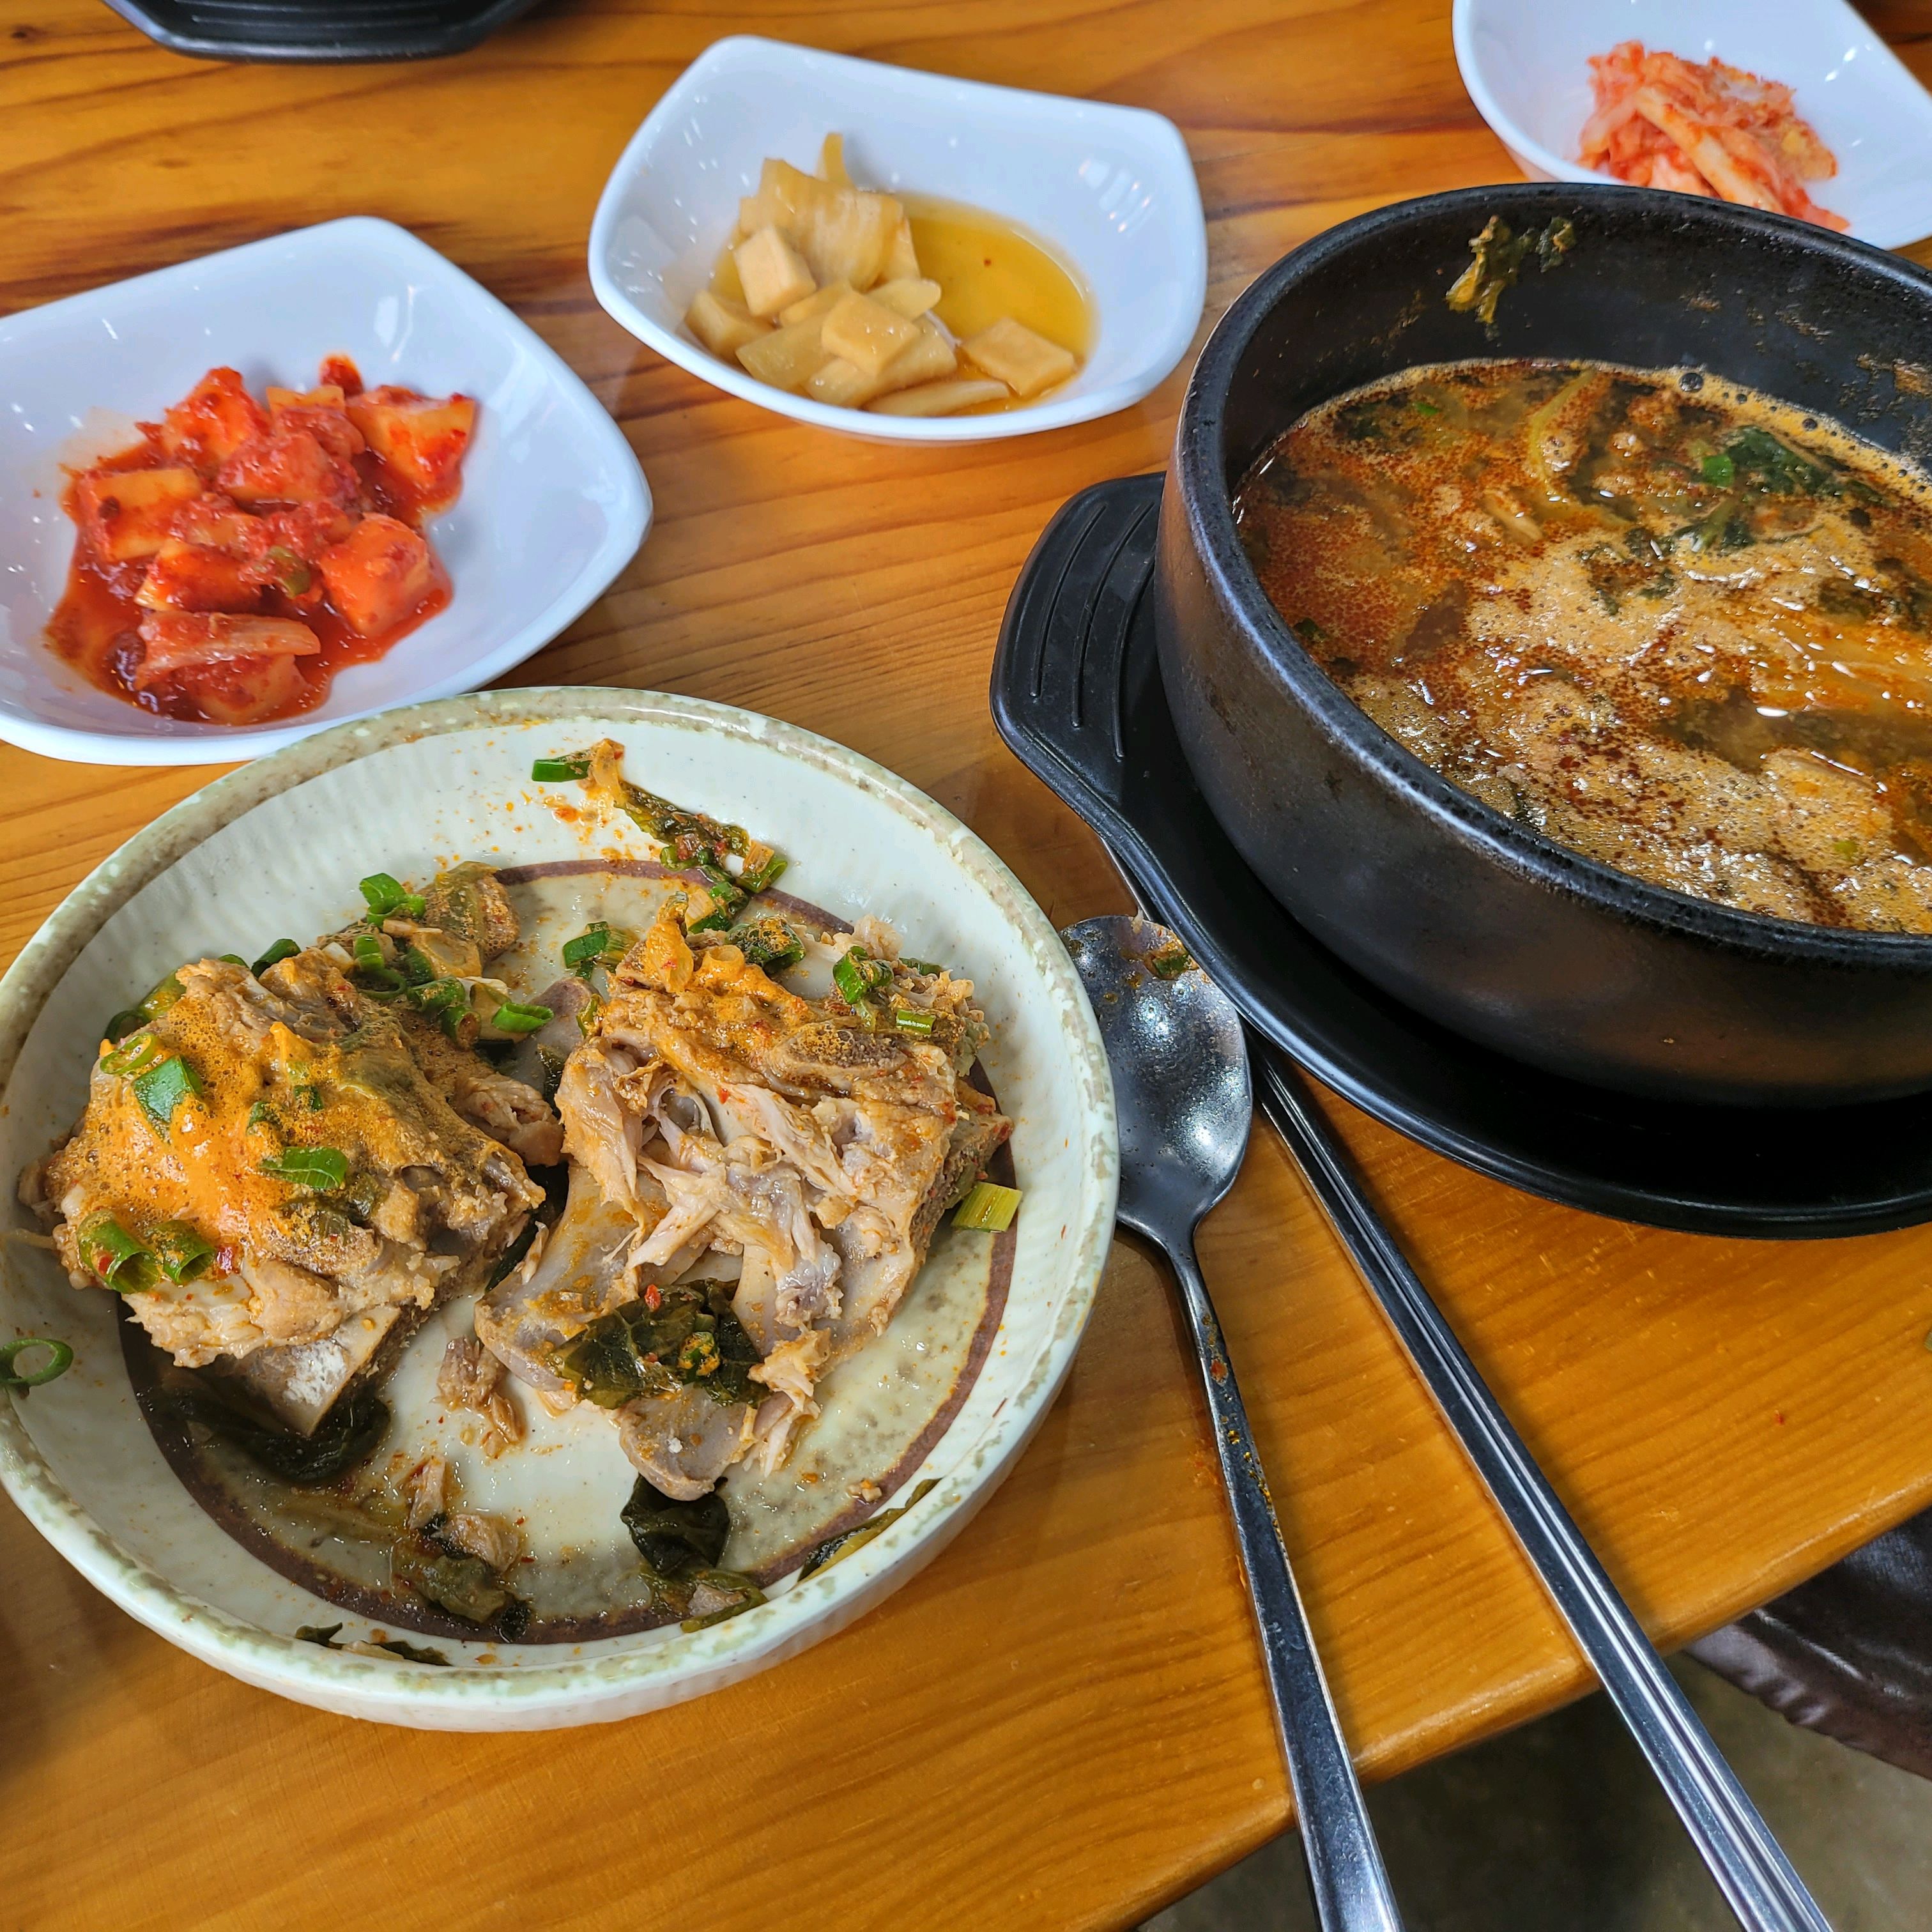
1849, 1654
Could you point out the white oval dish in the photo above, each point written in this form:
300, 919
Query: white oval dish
1111, 188
1525, 63
452, 777
553, 502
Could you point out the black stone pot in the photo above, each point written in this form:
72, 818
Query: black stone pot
1470, 918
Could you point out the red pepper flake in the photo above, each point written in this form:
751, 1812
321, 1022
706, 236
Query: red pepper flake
1778, 1415
653, 1297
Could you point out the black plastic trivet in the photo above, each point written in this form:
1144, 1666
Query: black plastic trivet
1077, 694
319, 30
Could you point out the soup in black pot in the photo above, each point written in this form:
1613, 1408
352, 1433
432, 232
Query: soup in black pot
1672, 624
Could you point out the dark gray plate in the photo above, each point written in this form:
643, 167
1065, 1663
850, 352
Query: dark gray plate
1077, 695
319, 30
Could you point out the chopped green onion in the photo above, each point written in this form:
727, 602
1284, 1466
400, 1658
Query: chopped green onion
60, 1359
1168, 961
181, 1252
857, 974
555, 771
1720, 469
140, 1054
283, 949
512, 1018
418, 968
293, 576
232, 959
387, 895
931, 968
261, 1115
754, 879
129, 1019
588, 1015
769, 942
378, 977
114, 1256
988, 1207
599, 945
912, 1019
321, 1168
162, 1088
446, 1001
162, 997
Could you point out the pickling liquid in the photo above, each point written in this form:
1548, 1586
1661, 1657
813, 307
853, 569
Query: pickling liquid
989, 267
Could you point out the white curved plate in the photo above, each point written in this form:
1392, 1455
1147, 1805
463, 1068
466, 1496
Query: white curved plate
553, 503
1112, 188
1525, 63
452, 778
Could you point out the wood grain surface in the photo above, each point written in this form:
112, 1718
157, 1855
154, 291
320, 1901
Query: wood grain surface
1062, 1722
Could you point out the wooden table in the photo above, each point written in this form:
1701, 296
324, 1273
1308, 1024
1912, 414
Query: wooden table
1062, 1722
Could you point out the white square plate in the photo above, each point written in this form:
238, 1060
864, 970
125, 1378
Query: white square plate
1525, 63
1110, 188
553, 503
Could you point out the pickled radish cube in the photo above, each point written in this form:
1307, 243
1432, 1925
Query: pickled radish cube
773, 272
190, 576
820, 303
320, 412
843, 384
866, 333
177, 641
1012, 353
288, 465
126, 513
787, 358
940, 399
901, 261
378, 575
910, 296
324, 396
421, 438
213, 420
722, 325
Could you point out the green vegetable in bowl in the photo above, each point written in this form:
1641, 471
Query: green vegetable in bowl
672, 1537
602, 944
323, 1168
180, 1251
668, 1339
768, 942
114, 1257
989, 1208
60, 1359
388, 896
347, 1436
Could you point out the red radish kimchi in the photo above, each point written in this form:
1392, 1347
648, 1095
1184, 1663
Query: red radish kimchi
228, 564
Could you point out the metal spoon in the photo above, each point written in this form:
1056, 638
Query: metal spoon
1180, 1089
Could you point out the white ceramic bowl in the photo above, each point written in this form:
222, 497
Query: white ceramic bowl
453, 778
1524, 63
1111, 188
553, 503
